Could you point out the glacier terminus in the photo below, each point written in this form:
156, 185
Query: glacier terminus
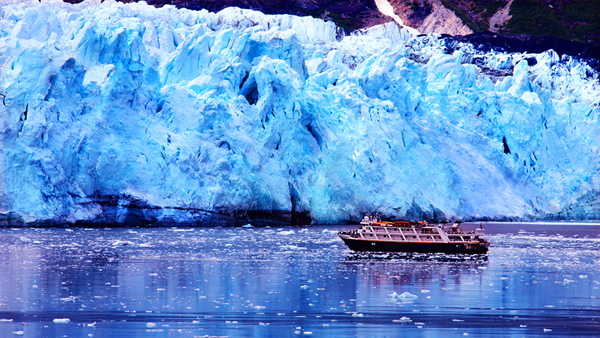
117, 113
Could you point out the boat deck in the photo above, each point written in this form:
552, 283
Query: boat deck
420, 237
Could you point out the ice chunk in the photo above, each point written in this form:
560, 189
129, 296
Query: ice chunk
292, 247
402, 320
405, 297
61, 320
122, 243
69, 299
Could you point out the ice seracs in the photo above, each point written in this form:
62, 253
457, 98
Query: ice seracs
122, 113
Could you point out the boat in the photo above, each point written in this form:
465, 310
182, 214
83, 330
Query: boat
421, 237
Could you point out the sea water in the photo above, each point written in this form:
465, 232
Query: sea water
537, 280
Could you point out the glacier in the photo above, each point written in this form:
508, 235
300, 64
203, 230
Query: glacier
119, 113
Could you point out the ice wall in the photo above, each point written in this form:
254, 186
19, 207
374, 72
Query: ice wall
164, 112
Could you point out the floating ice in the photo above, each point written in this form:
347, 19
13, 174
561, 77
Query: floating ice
402, 320
122, 243
110, 116
61, 320
405, 297
292, 247
69, 299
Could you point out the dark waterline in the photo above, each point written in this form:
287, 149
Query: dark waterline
537, 280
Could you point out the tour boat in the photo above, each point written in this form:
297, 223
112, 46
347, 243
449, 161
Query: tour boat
422, 237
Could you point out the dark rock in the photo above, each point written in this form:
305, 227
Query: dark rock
128, 211
531, 44
11, 219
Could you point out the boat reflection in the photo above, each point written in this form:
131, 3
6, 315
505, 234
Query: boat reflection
416, 257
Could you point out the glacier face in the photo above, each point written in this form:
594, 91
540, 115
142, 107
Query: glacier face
190, 110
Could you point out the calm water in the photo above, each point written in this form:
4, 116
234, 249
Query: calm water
537, 280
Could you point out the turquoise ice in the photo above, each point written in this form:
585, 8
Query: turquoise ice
238, 110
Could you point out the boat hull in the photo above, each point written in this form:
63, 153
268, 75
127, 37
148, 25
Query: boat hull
357, 244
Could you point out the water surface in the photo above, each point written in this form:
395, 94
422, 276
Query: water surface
537, 280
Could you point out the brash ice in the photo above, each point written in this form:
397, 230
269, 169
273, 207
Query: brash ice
161, 113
